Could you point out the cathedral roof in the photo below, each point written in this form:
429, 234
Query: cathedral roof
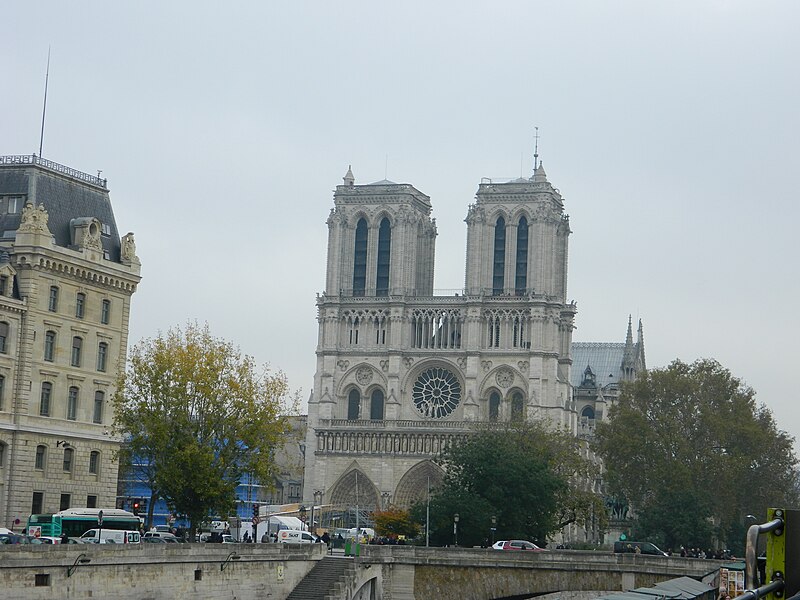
66, 195
383, 182
605, 359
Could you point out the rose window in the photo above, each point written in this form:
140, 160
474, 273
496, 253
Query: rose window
436, 393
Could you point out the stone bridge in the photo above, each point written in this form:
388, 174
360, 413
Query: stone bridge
408, 572
256, 571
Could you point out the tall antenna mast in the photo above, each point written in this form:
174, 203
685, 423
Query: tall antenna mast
44, 106
536, 150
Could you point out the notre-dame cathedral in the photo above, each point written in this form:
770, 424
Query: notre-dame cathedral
403, 372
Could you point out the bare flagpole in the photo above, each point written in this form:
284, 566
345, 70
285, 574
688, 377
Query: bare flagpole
44, 106
428, 515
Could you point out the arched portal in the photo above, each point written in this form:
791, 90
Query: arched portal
354, 489
413, 486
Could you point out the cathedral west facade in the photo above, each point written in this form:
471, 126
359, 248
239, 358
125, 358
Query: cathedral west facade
403, 372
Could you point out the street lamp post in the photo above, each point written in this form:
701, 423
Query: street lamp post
455, 529
100, 527
302, 512
317, 502
493, 528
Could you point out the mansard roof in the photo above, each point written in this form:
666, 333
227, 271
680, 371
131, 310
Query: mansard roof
605, 359
66, 194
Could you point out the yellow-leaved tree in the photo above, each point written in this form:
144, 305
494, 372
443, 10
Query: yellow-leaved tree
196, 415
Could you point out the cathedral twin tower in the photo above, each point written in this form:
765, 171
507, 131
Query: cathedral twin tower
401, 372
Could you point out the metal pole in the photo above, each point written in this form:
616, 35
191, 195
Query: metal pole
428, 516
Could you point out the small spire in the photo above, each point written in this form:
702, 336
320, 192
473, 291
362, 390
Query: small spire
539, 174
348, 178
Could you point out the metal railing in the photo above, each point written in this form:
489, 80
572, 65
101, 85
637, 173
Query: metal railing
32, 159
751, 583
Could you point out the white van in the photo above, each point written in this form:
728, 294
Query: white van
111, 536
294, 536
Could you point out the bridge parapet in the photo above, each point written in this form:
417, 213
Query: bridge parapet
409, 572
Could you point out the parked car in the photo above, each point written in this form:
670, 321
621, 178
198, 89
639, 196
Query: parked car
628, 547
167, 537
521, 545
153, 540
13, 538
498, 545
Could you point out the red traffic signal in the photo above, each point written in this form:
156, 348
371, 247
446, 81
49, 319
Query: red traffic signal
136, 507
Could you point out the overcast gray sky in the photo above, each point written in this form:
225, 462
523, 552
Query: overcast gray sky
670, 127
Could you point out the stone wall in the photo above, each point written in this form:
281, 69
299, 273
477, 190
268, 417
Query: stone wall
155, 572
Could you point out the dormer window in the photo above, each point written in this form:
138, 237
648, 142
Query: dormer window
105, 229
14, 204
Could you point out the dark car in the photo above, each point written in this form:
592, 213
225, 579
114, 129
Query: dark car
13, 538
522, 545
627, 547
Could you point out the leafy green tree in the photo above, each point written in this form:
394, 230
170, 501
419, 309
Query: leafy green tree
198, 415
532, 479
693, 453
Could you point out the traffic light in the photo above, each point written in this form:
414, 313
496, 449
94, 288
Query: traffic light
255, 511
136, 505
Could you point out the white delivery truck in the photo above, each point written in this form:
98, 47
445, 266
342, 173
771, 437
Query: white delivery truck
294, 536
111, 536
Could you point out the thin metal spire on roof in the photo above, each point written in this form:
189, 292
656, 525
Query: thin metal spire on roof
44, 106
536, 150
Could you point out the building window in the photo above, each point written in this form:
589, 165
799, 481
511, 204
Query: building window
94, 462
2, 454
360, 259
64, 503
499, 266
105, 229
2, 390
588, 412
521, 280
517, 407
91, 501
3, 285
384, 252
3, 337
72, 404
77, 344
37, 503
80, 304
69, 454
105, 311
49, 346
376, 406
14, 204
102, 355
41, 453
44, 403
99, 398
353, 405
52, 305
494, 406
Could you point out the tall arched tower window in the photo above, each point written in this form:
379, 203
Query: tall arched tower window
376, 406
494, 406
353, 405
384, 251
360, 259
498, 272
517, 407
521, 280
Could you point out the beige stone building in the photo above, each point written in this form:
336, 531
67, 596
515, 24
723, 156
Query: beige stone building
403, 371
66, 280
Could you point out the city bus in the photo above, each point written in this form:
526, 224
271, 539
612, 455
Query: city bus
75, 521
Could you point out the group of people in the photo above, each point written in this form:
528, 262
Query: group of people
719, 554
